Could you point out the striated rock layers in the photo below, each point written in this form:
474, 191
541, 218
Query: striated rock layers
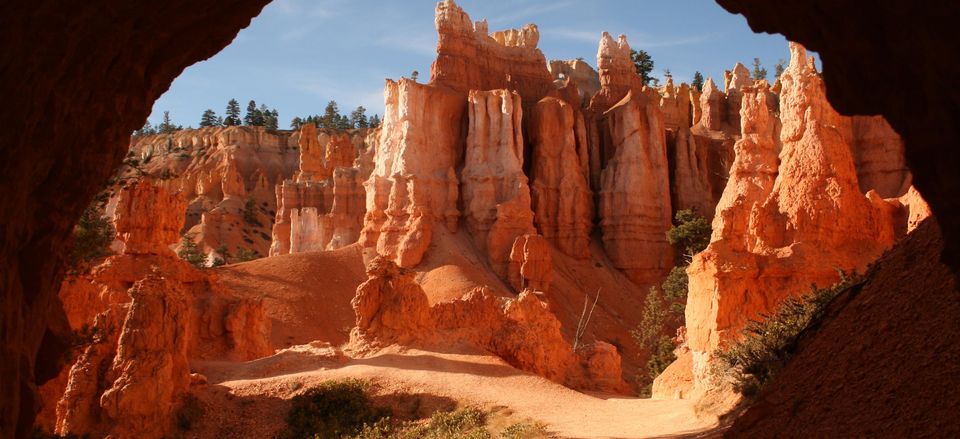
791, 215
391, 307
470, 58
496, 197
414, 184
562, 200
133, 368
322, 207
635, 191
226, 175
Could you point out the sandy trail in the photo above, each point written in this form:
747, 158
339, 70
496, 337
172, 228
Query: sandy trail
467, 378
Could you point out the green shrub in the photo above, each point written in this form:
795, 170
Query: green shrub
334, 409
92, 236
465, 423
190, 252
244, 254
250, 212
524, 431
690, 233
768, 345
651, 335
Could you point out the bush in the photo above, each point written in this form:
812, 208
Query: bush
244, 254
190, 252
460, 424
334, 409
250, 212
768, 345
690, 233
651, 336
92, 236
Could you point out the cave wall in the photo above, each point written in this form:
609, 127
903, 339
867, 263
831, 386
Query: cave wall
889, 57
76, 81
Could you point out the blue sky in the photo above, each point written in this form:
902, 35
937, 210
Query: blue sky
300, 54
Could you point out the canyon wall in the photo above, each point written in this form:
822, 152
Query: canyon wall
322, 206
791, 215
73, 129
147, 314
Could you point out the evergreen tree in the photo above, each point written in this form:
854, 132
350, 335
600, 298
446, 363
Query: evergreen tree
189, 251
296, 123
271, 119
697, 81
251, 117
374, 121
209, 119
759, 72
331, 116
233, 113
779, 68
167, 127
262, 114
644, 65
359, 118
146, 130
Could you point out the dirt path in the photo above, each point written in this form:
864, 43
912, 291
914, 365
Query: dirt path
466, 378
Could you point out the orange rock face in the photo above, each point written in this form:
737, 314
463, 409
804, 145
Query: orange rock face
562, 200
218, 171
413, 184
138, 226
787, 219
391, 307
635, 191
127, 382
322, 207
469, 58
530, 264
496, 197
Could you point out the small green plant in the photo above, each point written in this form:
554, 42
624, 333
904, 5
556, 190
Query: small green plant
768, 345
92, 236
333, 409
244, 254
690, 233
189, 251
651, 336
524, 431
250, 212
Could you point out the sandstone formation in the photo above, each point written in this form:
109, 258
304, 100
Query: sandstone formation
836, 31
788, 218
635, 192
562, 200
470, 58
227, 177
322, 206
530, 264
578, 73
127, 380
74, 128
878, 152
413, 184
391, 307
496, 197
618, 75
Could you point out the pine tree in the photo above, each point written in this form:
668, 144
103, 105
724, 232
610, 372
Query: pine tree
271, 119
296, 123
644, 65
331, 116
759, 72
374, 121
779, 68
209, 119
697, 81
358, 119
233, 113
251, 117
146, 130
167, 126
